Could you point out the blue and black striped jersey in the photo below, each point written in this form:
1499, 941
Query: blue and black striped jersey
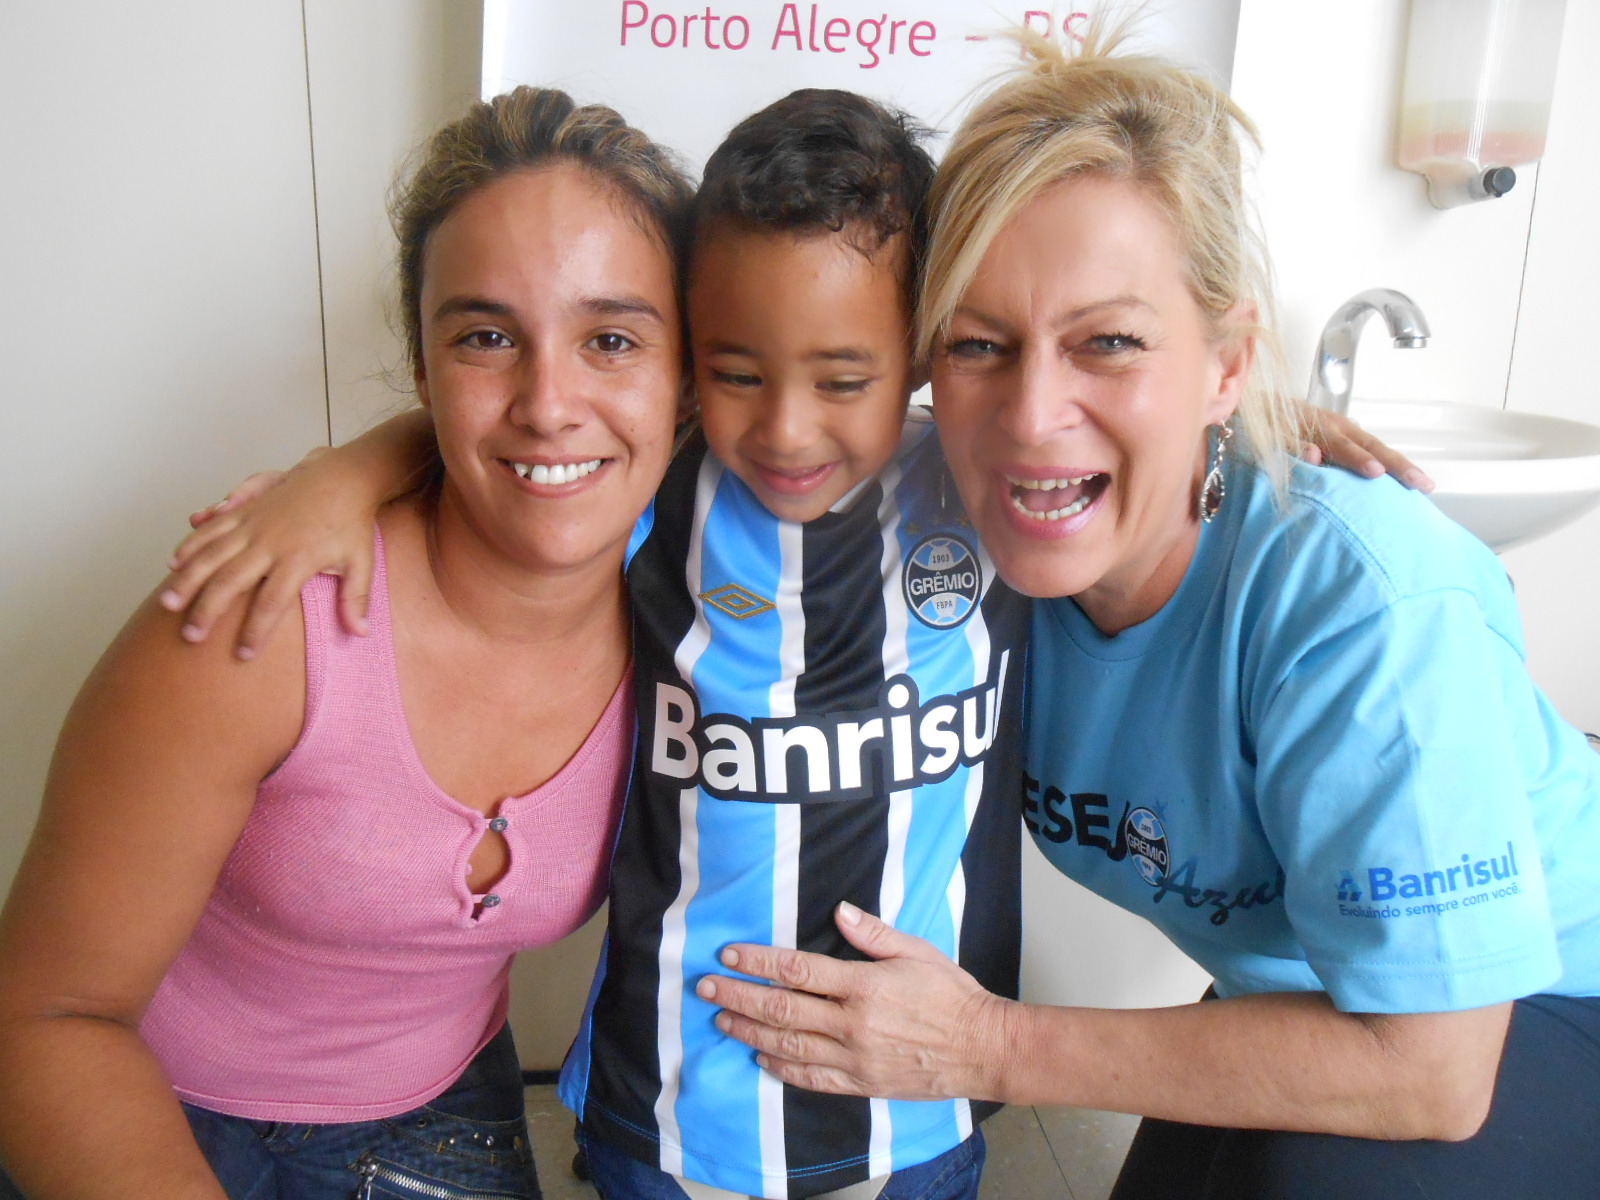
827, 711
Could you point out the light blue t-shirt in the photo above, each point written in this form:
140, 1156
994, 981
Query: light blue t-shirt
1322, 765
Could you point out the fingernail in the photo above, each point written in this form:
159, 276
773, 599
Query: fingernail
705, 989
191, 633
730, 957
723, 1022
849, 913
170, 601
244, 653
361, 626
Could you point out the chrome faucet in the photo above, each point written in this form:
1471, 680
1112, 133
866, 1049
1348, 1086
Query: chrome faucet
1333, 370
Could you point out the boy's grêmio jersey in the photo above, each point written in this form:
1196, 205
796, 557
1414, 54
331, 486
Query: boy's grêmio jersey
827, 711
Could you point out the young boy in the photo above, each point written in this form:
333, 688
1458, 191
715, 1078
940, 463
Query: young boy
829, 682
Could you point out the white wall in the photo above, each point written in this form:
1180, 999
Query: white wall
384, 74
1553, 371
159, 321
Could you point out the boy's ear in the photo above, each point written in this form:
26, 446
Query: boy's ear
688, 401
921, 372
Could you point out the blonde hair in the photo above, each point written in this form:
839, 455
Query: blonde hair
1168, 131
525, 129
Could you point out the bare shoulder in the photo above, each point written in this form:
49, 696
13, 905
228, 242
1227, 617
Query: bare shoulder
154, 698
154, 776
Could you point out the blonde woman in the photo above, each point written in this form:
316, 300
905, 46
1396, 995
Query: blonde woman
1281, 714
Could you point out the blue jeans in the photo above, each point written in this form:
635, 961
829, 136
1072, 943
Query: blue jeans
472, 1141
1539, 1142
953, 1175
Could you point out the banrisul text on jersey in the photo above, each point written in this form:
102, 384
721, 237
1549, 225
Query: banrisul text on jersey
901, 742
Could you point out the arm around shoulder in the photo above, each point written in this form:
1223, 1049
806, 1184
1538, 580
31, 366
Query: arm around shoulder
317, 519
153, 778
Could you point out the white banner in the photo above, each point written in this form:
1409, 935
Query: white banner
685, 71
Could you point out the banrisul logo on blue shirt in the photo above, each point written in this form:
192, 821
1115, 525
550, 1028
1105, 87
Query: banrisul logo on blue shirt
1395, 891
943, 581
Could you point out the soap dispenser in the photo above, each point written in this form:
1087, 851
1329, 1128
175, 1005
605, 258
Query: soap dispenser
1476, 102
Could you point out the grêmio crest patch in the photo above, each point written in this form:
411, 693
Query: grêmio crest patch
942, 580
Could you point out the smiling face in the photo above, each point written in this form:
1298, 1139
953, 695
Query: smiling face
1072, 394
551, 363
801, 361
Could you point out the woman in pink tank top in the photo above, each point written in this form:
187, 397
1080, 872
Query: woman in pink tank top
263, 929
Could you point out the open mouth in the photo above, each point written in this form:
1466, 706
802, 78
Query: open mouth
1056, 499
795, 481
554, 474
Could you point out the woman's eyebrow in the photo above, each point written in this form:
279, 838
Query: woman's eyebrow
1075, 314
453, 305
1126, 301
605, 306
621, 306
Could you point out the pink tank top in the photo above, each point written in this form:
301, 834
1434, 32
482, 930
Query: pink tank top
338, 972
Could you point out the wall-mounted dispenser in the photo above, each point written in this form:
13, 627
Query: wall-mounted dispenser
1476, 101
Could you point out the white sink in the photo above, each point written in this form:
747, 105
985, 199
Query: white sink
1508, 477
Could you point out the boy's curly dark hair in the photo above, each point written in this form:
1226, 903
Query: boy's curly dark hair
822, 159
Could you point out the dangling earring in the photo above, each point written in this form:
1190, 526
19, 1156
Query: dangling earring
1215, 488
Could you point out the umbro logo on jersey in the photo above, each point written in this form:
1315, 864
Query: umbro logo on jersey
739, 603
943, 581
